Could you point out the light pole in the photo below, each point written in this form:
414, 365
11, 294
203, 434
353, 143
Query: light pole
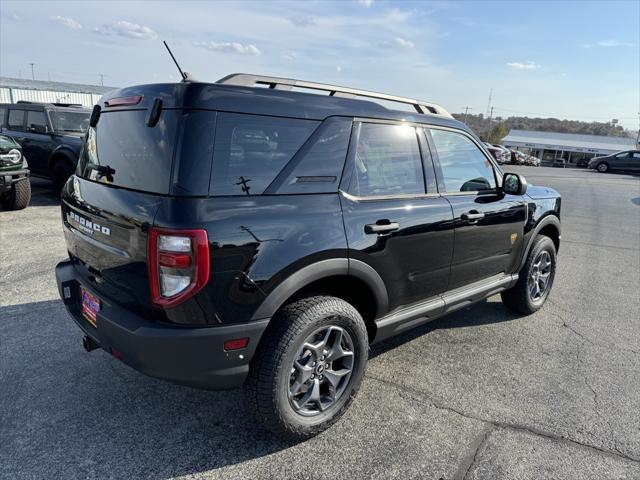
466, 110
33, 77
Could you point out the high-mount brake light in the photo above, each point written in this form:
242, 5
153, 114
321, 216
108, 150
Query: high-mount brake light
178, 265
123, 101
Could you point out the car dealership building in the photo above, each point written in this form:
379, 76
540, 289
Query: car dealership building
573, 148
13, 90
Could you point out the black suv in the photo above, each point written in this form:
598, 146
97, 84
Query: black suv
227, 234
50, 134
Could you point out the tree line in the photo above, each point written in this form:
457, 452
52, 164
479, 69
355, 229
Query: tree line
500, 126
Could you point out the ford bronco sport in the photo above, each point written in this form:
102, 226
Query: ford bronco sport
229, 234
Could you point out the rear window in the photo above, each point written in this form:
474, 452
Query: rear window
16, 120
251, 150
123, 151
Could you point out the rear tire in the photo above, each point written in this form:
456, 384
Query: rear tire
19, 196
603, 167
315, 349
536, 278
62, 170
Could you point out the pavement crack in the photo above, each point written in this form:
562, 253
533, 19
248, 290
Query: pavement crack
472, 458
615, 452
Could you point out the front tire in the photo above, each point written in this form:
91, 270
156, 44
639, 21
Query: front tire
535, 280
603, 167
308, 367
62, 170
19, 196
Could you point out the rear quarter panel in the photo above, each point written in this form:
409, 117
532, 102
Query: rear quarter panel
255, 243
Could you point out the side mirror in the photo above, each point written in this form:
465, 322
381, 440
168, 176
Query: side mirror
514, 184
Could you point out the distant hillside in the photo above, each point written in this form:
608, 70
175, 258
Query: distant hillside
501, 126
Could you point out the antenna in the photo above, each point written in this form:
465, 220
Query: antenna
184, 75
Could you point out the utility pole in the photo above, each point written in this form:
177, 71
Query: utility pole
490, 120
101, 79
489, 102
466, 110
33, 77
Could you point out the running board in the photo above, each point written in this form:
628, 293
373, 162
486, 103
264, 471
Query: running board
410, 317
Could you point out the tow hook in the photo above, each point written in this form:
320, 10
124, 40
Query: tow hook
89, 344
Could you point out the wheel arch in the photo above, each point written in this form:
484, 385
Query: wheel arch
548, 226
351, 280
62, 153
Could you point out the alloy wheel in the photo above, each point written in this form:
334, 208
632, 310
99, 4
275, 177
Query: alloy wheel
321, 370
540, 276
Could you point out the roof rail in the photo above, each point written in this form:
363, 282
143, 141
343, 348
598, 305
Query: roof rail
250, 80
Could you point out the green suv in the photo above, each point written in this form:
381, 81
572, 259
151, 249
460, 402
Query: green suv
15, 189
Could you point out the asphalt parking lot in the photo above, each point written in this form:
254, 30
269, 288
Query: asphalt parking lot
481, 394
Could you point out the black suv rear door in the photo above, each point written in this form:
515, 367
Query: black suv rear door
489, 225
37, 143
395, 220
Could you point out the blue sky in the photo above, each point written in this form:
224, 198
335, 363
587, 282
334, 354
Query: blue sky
577, 60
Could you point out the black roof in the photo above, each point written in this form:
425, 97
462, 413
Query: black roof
267, 101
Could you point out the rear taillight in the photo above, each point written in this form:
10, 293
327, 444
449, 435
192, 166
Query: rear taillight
178, 264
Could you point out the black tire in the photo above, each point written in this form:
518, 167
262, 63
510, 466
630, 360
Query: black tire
62, 170
19, 196
603, 167
267, 388
520, 298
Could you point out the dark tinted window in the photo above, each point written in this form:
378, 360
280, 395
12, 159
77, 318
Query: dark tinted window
464, 167
16, 119
3, 114
387, 161
251, 150
317, 167
138, 157
70, 120
36, 119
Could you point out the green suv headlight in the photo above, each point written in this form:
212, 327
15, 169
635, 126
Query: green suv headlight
12, 158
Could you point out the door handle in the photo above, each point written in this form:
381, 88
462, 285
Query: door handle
380, 227
473, 216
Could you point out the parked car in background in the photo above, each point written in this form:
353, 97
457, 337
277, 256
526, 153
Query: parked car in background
506, 154
495, 152
15, 189
559, 163
626, 161
517, 158
50, 135
532, 161
266, 237
583, 162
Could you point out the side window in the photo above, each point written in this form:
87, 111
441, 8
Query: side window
36, 120
317, 167
464, 167
3, 114
251, 150
387, 161
636, 155
623, 155
16, 120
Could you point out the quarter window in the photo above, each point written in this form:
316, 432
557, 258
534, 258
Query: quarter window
251, 150
464, 167
16, 120
387, 161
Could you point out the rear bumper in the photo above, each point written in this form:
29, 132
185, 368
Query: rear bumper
185, 355
8, 178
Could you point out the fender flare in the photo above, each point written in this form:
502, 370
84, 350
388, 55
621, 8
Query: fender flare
317, 271
65, 152
545, 221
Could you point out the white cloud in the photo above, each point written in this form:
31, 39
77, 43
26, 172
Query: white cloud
302, 21
230, 47
67, 22
366, 3
123, 28
607, 44
523, 66
403, 42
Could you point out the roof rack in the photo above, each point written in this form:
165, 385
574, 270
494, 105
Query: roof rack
250, 80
